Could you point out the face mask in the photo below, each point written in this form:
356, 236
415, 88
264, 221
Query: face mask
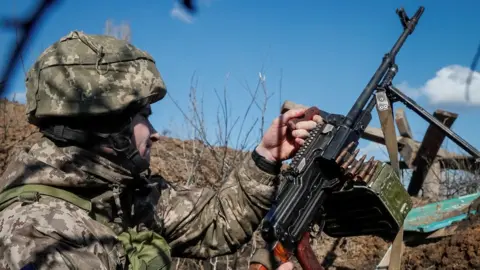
133, 160
123, 142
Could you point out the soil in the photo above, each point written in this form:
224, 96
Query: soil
459, 251
175, 159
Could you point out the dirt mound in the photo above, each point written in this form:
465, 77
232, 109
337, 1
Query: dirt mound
15, 131
362, 252
459, 251
192, 162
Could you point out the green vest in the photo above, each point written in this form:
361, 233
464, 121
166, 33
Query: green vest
146, 250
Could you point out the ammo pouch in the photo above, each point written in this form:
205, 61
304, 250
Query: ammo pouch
378, 208
146, 250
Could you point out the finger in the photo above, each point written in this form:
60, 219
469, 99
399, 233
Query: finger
308, 125
299, 141
286, 266
300, 133
290, 114
318, 119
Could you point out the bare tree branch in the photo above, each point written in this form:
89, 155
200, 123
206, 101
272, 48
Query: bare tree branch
26, 29
473, 66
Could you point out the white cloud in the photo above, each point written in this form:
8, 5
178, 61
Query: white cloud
17, 96
410, 91
180, 14
448, 87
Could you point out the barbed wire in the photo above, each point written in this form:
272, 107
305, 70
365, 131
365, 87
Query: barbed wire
25, 28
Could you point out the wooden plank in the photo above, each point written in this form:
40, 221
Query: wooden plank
447, 160
385, 262
431, 185
374, 134
428, 150
409, 151
402, 123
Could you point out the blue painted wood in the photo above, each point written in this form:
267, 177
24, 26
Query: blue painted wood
434, 216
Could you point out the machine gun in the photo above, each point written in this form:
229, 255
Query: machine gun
317, 187
314, 189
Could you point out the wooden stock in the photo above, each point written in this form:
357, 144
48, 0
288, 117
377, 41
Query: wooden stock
280, 255
304, 254
257, 266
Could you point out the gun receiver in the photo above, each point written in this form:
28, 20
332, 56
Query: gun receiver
316, 170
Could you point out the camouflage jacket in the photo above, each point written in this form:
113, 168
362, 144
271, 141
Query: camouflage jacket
196, 222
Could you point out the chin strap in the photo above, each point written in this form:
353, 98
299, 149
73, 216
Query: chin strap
122, 142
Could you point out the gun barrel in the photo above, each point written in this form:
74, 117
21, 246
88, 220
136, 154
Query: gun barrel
387, 61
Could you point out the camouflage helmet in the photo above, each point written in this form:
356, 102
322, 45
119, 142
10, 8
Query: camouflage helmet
91, 75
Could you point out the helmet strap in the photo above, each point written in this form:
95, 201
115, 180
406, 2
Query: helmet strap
121, 143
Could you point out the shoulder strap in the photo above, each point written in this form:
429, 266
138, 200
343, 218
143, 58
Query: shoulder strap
385, 114
33, 192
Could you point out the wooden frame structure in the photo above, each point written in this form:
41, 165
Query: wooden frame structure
426, 159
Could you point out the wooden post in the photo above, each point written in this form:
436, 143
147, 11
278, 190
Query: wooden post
431, 185
408, 151
402, 124
427, 152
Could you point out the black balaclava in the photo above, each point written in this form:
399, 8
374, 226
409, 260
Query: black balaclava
125, 145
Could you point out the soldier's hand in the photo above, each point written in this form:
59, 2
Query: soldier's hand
280, 142
286, 266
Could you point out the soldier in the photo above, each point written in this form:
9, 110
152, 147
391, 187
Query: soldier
83, 196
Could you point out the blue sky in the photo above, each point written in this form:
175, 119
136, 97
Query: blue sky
322, 52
